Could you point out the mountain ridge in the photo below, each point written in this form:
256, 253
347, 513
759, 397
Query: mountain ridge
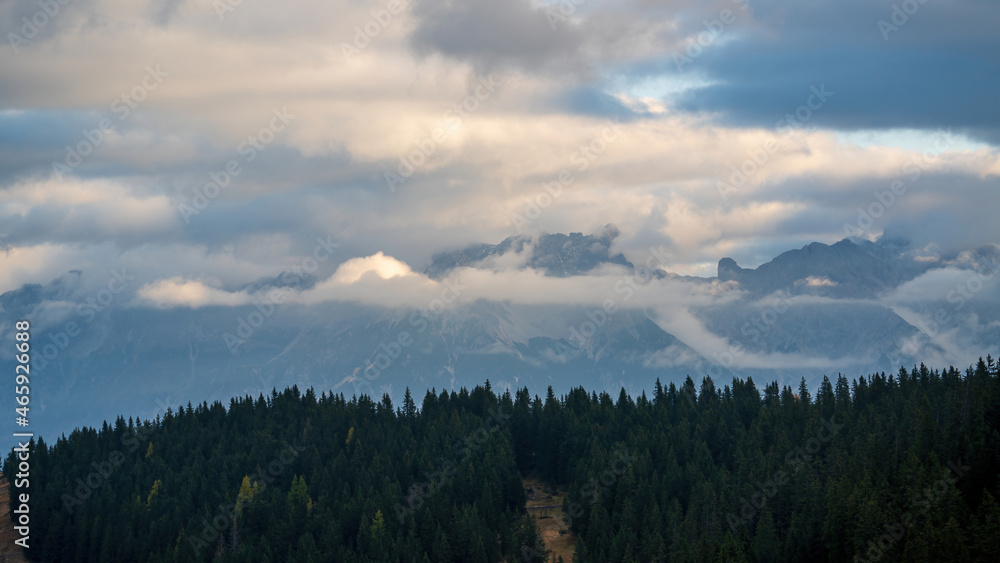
137, 357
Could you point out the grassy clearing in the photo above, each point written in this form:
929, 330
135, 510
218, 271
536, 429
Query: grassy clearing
546, 508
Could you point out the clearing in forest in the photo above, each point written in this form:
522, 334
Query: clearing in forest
545, 506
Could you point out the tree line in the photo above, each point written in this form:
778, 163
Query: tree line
885, 467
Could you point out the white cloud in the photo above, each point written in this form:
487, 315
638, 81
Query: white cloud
385, 267
80, 209
178, 292
356, 118
950, 285
817, 281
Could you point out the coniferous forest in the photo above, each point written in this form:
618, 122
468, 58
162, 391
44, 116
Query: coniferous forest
899, 467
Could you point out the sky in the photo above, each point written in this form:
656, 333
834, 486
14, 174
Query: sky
203, 146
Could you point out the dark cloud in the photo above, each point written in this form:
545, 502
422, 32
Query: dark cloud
493, 33
913, 90
161, 11
32, 25
30, 140
938, 69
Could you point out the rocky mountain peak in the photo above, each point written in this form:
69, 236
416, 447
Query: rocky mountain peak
558, 254
729, 270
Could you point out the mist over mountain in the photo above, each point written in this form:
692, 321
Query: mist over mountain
688, 235
851, 307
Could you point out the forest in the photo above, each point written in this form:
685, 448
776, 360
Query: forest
897, 467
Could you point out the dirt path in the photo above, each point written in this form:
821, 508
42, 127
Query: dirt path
9, 552
546, 509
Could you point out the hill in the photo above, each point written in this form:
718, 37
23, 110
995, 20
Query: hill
898, 467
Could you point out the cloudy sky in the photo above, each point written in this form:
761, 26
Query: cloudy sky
210, 144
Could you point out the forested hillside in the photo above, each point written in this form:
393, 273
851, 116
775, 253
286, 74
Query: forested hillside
889, 467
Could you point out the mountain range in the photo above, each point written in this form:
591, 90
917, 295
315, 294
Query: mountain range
853, 307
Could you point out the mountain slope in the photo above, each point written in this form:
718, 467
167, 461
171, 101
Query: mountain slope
804, 314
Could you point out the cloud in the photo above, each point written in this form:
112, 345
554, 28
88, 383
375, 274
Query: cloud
161, 11
484, 30
926, 75
55, 210
953, 285
178, 292
682, 132
816, 281
723, 353
385, 267
383, 281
